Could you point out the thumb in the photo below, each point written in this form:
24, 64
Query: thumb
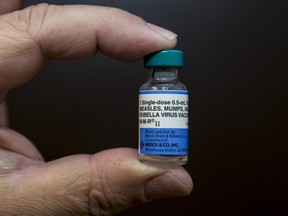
103, 184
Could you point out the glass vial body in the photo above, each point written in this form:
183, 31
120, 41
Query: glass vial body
163, 117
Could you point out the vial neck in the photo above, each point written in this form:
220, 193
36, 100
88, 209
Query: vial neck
163, 74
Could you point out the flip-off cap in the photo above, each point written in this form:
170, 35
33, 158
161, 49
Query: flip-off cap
164, 58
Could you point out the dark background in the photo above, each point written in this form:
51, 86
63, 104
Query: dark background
236, 72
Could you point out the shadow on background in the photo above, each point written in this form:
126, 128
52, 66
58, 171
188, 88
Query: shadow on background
236, 71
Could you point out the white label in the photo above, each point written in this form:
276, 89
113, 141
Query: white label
163, 109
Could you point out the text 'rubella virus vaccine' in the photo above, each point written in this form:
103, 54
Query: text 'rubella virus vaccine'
163, 111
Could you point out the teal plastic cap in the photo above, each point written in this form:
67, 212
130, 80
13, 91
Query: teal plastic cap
164, 58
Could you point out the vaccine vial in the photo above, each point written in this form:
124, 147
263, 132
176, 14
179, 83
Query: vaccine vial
163, 111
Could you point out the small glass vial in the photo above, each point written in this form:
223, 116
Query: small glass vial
163, 111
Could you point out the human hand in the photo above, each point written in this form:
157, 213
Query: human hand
101, 184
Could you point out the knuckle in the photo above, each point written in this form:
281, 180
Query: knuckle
101, 195
20, 40
27, 24
28, 20
107, 195
32, 18
18, 30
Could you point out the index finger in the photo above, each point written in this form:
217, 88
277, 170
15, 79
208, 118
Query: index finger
37, 33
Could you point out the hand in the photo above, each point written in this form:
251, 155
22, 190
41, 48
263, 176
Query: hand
101, 184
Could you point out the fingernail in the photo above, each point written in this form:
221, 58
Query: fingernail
164, 32
167, 186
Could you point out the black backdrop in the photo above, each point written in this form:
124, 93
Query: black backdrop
236, 71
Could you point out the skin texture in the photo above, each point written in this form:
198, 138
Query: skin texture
104, 183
